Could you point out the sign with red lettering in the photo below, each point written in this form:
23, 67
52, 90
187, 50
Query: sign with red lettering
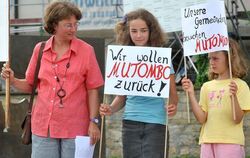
141, 71
204, 28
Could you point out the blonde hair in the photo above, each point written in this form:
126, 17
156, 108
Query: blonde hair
156, 35
238, 61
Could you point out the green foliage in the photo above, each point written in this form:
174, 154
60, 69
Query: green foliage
248, 13
197, 140
201, 62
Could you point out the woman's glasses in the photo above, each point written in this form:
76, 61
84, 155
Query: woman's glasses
70, 26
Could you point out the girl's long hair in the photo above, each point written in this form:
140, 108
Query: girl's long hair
156, 35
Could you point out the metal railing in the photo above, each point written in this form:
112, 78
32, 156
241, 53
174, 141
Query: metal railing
231, 7
21, 24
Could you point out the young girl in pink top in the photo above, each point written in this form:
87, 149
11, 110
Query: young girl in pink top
222, 134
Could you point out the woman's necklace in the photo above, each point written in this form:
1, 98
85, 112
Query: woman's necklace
61, 93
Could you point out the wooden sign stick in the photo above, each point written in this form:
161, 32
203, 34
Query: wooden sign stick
7, 82
102, 126
187, 99
166, 134
231, 77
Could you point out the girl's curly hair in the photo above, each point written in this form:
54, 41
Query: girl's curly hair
156, 35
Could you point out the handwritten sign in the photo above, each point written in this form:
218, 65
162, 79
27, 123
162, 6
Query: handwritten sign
134, 70
204, 28
4, 30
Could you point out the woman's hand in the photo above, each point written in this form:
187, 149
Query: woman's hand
7, 73
105, 110
94, 133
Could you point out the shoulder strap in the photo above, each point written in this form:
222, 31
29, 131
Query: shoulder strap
36, 77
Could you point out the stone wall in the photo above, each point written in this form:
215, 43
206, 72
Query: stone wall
184, 136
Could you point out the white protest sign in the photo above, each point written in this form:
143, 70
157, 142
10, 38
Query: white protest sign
4, 30
204, 28
141, 71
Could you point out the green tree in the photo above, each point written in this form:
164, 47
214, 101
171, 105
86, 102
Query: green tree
201, 62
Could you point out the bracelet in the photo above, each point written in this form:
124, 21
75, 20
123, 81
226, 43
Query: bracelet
95, 120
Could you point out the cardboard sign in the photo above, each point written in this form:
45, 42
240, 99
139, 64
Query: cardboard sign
4, 30
141, 71
204, 28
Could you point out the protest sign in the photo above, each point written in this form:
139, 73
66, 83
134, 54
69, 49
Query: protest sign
134, 70
204, 28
